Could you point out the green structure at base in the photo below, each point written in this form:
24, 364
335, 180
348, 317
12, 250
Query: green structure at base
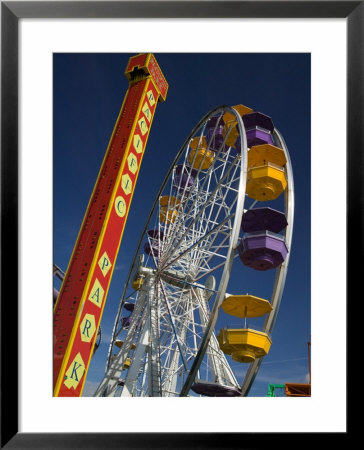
276, 390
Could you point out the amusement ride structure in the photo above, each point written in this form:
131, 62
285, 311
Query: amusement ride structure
213, 210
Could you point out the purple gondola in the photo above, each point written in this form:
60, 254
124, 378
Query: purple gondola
151, 247
129, 306
215, 390
263, 219
262, 251
214, 136
184, 178
257, 119
258, 128
155, 234
125, 321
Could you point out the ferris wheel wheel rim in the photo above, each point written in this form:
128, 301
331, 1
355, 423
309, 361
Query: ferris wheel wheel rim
241, 196
254, 367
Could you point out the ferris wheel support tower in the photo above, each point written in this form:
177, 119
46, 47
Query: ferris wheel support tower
81, 300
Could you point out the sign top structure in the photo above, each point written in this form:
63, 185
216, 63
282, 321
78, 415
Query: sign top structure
143, 65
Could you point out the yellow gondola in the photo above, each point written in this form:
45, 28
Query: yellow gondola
200, 157
259, 155
120, 343
127, 364
265, 182
137, 284
244, 345
168, 209
230, 121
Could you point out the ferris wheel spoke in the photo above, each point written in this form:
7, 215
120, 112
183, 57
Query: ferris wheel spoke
171, 318
195, 244
208, 220
210, 251
205, 257
209, 201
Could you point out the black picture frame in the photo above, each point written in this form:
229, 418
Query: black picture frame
11, 12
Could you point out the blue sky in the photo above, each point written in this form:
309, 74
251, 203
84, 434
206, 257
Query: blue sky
88, 93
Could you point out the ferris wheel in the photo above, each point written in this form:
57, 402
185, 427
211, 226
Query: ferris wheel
212, 213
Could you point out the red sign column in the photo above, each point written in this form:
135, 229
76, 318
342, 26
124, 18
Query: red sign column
80, 304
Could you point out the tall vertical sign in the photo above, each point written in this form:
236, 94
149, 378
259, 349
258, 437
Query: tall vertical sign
81, 300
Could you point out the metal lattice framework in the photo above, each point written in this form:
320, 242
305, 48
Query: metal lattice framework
192, 233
